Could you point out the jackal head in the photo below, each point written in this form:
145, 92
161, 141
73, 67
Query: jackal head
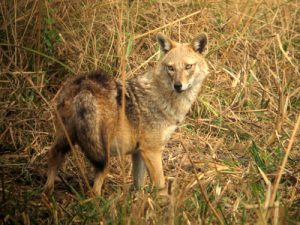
183, 65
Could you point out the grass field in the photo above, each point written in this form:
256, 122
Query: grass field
235, 159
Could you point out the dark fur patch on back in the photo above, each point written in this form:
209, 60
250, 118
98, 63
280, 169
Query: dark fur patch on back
89, 87
100, 77
96, 76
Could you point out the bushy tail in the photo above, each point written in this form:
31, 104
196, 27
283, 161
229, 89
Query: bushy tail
89, 135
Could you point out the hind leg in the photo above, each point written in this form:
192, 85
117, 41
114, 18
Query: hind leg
99, 180
100, 165
56, 158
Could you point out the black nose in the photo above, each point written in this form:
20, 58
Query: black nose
178, 87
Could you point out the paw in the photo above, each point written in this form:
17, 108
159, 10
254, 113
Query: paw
47, 190
163, 198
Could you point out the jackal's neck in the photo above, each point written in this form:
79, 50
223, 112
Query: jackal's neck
177, 104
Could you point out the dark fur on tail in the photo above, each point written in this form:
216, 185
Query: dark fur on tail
89, 132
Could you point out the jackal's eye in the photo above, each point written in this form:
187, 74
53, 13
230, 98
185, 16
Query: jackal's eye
170, 68
188, 66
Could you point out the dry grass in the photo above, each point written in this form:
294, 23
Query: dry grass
236, 153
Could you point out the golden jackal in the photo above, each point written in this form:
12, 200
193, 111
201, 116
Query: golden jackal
90, 111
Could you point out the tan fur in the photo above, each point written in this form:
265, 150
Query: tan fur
156, 102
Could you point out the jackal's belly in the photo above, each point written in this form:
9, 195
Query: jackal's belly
126, 141
123, 143
122, 146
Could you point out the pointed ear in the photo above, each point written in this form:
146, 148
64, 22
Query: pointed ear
199, 43
164, 42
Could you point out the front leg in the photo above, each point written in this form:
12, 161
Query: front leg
138, 170
153, 160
